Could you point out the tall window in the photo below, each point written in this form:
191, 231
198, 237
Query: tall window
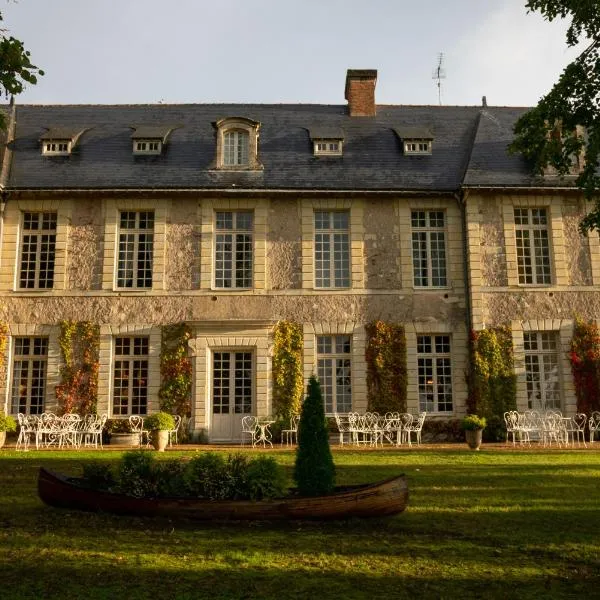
28, 390
38, 250
232, 382
334, 368
533, 246
429, 248
136, 244
235, 148
130, 376
332, 249
435, 373
233, 249
541, 370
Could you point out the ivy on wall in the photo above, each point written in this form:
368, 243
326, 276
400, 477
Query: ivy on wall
385, 355
585, 365
175, 391
79, 343
3, 346
492, 380
288, 384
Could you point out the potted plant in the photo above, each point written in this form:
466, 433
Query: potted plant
119, 433
159, 424
7, 423
473, 427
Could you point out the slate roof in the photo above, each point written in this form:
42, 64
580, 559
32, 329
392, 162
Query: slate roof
469, 143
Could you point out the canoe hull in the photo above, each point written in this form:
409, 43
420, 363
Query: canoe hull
385, 498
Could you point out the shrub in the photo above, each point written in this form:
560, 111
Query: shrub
7, 423
473, 422
160, 421
170, 479
207, 477
495, 430
314, 471
99, 476
443, 430
136, 474
264, 479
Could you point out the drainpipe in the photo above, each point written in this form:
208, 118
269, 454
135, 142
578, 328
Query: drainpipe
461, 199
5, 168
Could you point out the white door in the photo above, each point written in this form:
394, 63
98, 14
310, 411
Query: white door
232, 395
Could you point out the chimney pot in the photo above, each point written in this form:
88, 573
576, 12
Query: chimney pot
360, 92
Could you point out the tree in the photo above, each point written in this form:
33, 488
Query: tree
16, 68
314, 471
566, 121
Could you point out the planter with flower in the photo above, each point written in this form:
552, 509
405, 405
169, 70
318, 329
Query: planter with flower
7, 423
473, 427
159, 424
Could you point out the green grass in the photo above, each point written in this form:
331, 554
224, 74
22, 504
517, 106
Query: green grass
492, 524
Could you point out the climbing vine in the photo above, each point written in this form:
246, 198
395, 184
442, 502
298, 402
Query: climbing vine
385, 356
3, 345
79, 343
175, 391
492, 380
288, 386
585, 364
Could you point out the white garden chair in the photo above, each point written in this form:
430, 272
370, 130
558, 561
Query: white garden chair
249, 429
290, 436
594, 424
173, 432
343, 425
416, 427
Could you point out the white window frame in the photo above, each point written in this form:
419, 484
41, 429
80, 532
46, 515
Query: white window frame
44, 240
334, 364
33, 361
542, 370
434, 373
147, 146
533, 247
135, 360
327, 147
236, 153
424, 235
127, 267
230, 242
332, 251
417, 146
56, 147
240, 397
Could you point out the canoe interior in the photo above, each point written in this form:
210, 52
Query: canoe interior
388, 497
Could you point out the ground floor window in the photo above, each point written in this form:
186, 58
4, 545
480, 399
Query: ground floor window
232, 383
334, 369
28, 390
435, 373
541, 370
130, 376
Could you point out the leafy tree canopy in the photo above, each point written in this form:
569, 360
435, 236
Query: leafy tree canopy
547, 134
16, 68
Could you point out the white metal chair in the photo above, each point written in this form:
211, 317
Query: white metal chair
173, 432
575, 428
290, 436
136, 424
249, 429
27, 429
416, 427
594, 424
343, 425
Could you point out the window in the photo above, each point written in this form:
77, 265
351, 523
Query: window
38, 250
334, 369
435, 373
533, 246
147, 146
136, 242
56, 147
332, 249
235, 148
130, 376
233, 249
28, 390
429, 248
327, 147
417, 147
541, 370
232, 383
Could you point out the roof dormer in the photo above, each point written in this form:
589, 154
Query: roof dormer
327, 141
416, 141
237, 144
149, 140
60, 141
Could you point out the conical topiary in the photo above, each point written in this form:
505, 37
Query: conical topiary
314, 471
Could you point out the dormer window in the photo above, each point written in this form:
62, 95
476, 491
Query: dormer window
237, 144
149, 140
326, 141
415, 140
60, 141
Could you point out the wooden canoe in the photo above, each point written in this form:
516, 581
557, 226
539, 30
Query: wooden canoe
387, 497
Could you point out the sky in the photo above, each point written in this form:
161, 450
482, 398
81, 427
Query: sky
286, 51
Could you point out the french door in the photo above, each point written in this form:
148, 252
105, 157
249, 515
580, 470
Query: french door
232, 393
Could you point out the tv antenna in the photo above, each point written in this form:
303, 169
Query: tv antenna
439, 73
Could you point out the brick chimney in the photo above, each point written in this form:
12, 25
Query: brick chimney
360, 92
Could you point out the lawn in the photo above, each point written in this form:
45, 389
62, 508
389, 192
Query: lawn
492, 524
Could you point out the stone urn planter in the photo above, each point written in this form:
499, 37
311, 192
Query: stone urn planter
7, 423
160, 439
473, 427
159, 425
